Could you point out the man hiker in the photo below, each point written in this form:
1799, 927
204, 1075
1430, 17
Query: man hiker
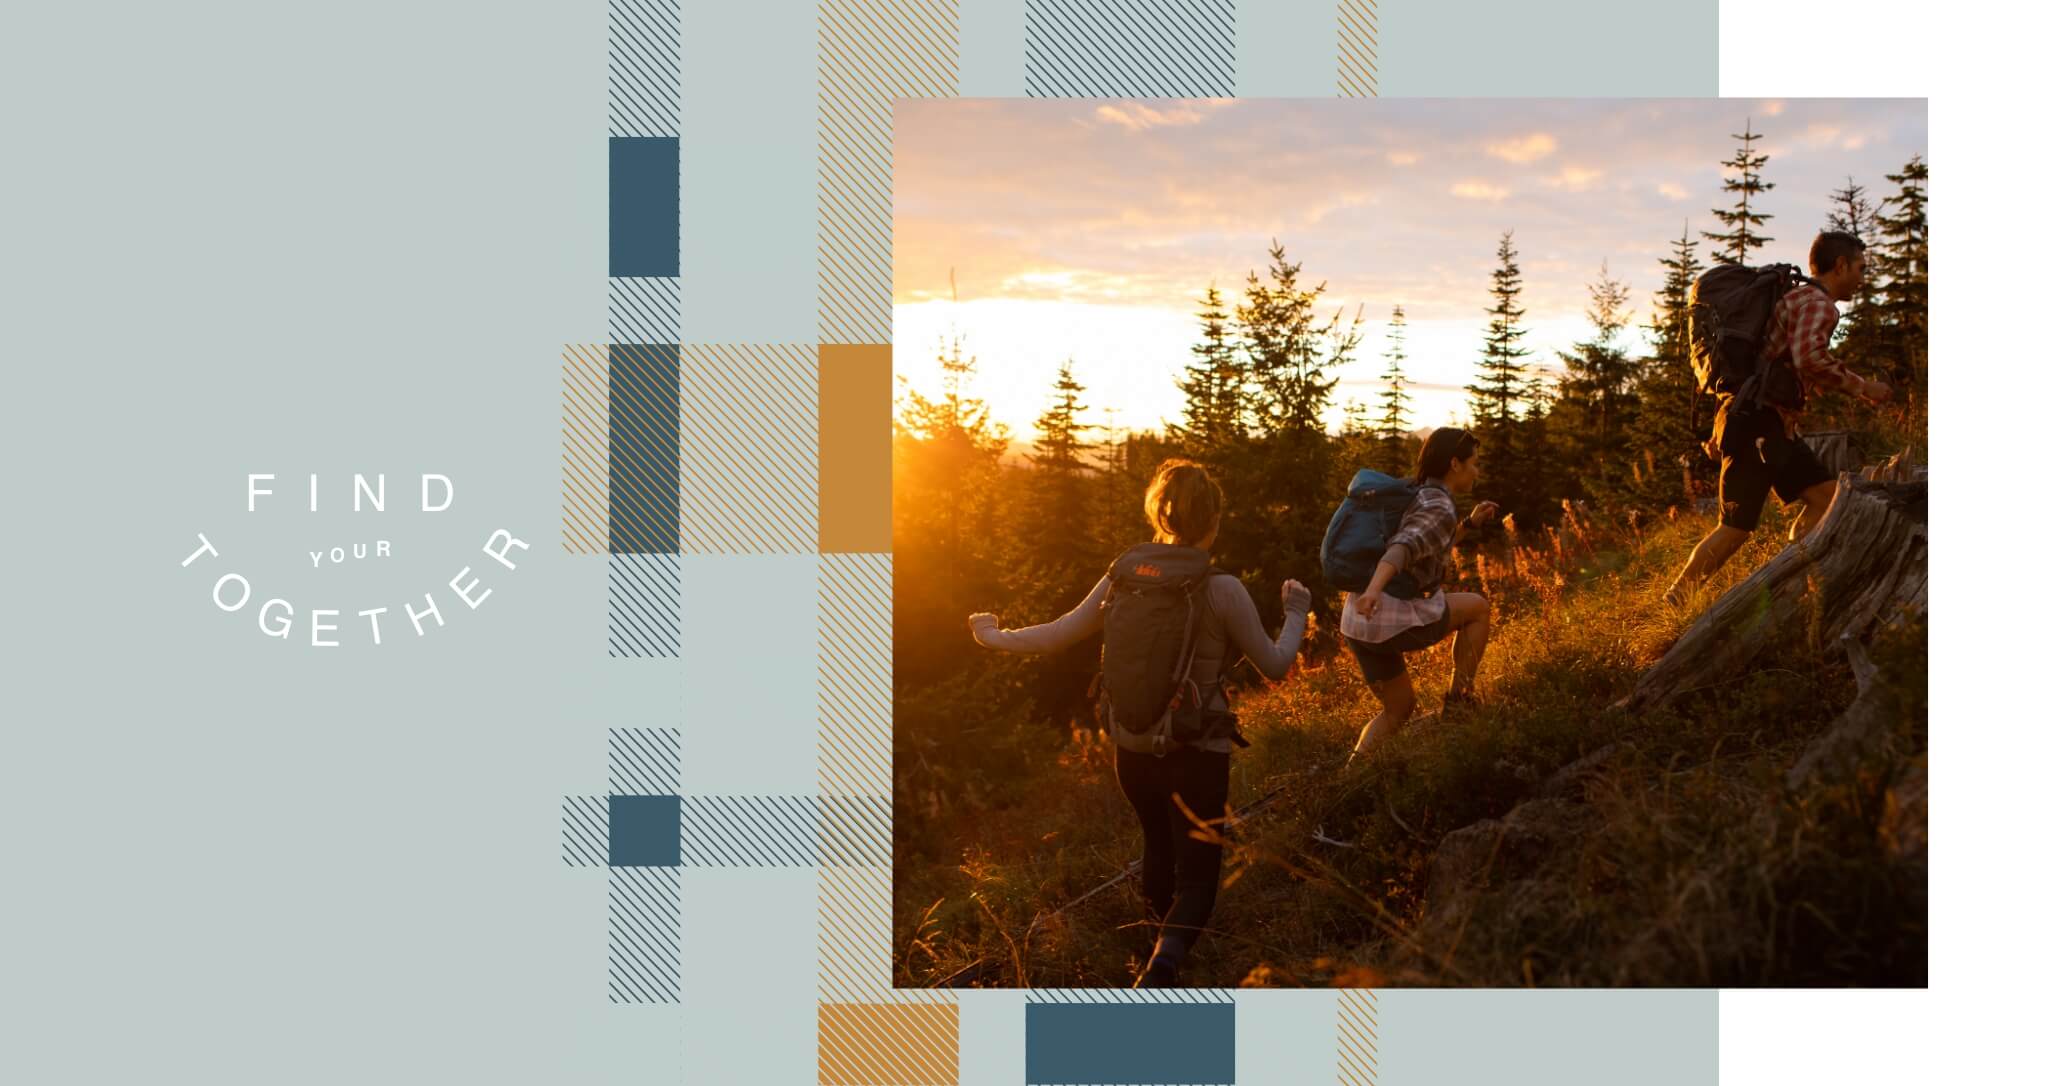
1761, 449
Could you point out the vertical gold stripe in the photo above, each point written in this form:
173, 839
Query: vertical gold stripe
853, 448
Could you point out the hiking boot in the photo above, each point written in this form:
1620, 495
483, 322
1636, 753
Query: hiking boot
1161, 972
1457, 704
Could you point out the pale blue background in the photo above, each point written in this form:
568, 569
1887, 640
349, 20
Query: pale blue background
254, 237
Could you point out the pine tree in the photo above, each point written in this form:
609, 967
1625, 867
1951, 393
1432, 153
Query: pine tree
1503, 383
1902, 254
1289, 357
1212, 386
1742, 240
1856, 333
1665, 458
1064, 553
1393, 427
1596, 404
1060, 449
945, 466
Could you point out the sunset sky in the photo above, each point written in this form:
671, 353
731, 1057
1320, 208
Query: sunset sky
1090, 229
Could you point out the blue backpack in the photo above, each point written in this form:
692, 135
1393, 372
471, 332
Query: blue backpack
1368, 517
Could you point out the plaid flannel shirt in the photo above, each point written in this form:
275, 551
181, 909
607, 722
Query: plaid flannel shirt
1426, 532
1801, 327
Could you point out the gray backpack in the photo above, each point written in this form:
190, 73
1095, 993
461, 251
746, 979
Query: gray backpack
1147, 702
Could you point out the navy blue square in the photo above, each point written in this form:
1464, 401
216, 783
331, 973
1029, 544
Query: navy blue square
647, 831
646, 234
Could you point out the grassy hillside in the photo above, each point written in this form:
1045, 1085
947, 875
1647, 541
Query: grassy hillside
1543, 839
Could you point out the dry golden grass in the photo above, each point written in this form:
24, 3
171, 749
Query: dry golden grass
1678, 857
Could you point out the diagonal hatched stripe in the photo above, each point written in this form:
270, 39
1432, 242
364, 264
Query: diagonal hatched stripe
750, 831
855, 935
1358, 1038
645, 70
1358, 48
869, 52
644, 934
1130, 48
586, 831
749, 438
644, 761
586, 445
644, 604
863, 1043
1130, 995
644, 309
854, 675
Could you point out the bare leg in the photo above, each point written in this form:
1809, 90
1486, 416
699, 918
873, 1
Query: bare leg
1397, 701
1472, 617
1815, 501
1708, 556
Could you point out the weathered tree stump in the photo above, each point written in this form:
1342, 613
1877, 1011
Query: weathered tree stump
1834, 449
1868, 559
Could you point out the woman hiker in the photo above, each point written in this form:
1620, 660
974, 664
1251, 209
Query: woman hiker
1178, 874
1380, 628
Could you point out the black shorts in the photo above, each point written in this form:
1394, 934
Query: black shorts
1757, 457
1381, 660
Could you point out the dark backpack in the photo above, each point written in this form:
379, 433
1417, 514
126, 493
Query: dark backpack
1728, 316
1148, 703
1360, 529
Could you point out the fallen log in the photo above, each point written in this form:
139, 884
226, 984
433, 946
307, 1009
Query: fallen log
1834, 449
1867, 560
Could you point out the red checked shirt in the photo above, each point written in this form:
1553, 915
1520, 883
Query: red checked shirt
1426, 533
1801, 326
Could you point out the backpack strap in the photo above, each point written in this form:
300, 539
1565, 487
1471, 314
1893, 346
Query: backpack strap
1198, 604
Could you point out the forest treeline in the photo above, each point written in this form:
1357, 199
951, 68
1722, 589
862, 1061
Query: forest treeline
1026, 536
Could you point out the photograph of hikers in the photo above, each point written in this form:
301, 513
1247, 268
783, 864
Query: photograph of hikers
1429, 542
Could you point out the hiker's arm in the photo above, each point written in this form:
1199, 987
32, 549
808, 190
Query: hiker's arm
1481, 514
1234, 606
1068, 629
1813, 322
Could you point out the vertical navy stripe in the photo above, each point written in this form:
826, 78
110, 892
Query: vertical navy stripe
646, 448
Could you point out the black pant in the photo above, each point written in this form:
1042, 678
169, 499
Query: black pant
1759, 457
1178, 874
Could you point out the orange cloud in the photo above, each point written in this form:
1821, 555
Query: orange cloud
1479, 190
1529, 148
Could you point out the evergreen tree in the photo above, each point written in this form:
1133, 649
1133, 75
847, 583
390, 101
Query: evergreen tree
1212, 386
1539, 472
1393, 427
1502, 384
1902, 261
1596, 403
1856, 334
1666, 460
1741, 242
945, 469
1289, 357
1059, 447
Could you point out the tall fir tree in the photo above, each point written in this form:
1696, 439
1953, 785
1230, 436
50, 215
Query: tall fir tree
1212, 386
1061, 469
1289, 357
1666, 460
1283, 475
946, 457
1741, 240
1503, 382
1392, 429
1596, 400
1902, 253
1850, 211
